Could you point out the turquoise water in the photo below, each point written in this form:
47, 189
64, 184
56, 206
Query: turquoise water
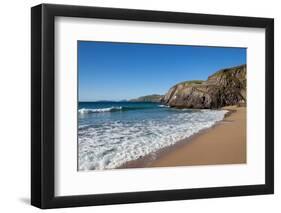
99, 113
113, 133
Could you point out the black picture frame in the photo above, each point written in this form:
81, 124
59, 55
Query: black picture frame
43, 114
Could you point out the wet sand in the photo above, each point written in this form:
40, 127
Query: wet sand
224, 143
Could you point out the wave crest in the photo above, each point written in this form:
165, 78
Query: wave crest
116, 109
163, 106
108, 109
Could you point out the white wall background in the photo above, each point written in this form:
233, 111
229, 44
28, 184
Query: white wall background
15, 105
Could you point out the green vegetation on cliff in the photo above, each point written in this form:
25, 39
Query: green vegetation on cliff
186, 83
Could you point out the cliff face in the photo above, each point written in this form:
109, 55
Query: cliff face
148, 98
223, 88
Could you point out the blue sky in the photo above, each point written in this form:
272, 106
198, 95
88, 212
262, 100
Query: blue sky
117, 71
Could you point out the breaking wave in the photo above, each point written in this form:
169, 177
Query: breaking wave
110, 145
115, 109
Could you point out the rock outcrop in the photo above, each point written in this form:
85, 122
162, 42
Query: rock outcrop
223, 88
149, 98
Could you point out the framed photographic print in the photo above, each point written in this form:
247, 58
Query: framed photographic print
140, 106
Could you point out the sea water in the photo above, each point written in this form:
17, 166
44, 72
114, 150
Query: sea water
113, 133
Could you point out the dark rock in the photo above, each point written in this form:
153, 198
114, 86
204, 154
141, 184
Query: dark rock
223, 88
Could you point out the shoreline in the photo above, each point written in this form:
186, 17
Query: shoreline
209, 146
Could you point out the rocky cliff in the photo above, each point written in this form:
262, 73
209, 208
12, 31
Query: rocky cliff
223, 88
148, 98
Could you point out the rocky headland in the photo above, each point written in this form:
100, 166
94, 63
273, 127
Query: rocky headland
223, 88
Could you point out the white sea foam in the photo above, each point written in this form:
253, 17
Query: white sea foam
108, 109
110, 146
163, 106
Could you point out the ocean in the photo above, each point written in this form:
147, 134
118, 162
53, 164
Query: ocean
113, 133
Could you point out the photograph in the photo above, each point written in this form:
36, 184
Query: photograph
144, 105
182, 98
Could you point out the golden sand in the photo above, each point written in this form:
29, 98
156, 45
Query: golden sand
225, 143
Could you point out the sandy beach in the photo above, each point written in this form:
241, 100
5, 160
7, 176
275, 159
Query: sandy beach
224, 143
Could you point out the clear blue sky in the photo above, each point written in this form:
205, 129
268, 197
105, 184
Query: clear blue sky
117, 71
